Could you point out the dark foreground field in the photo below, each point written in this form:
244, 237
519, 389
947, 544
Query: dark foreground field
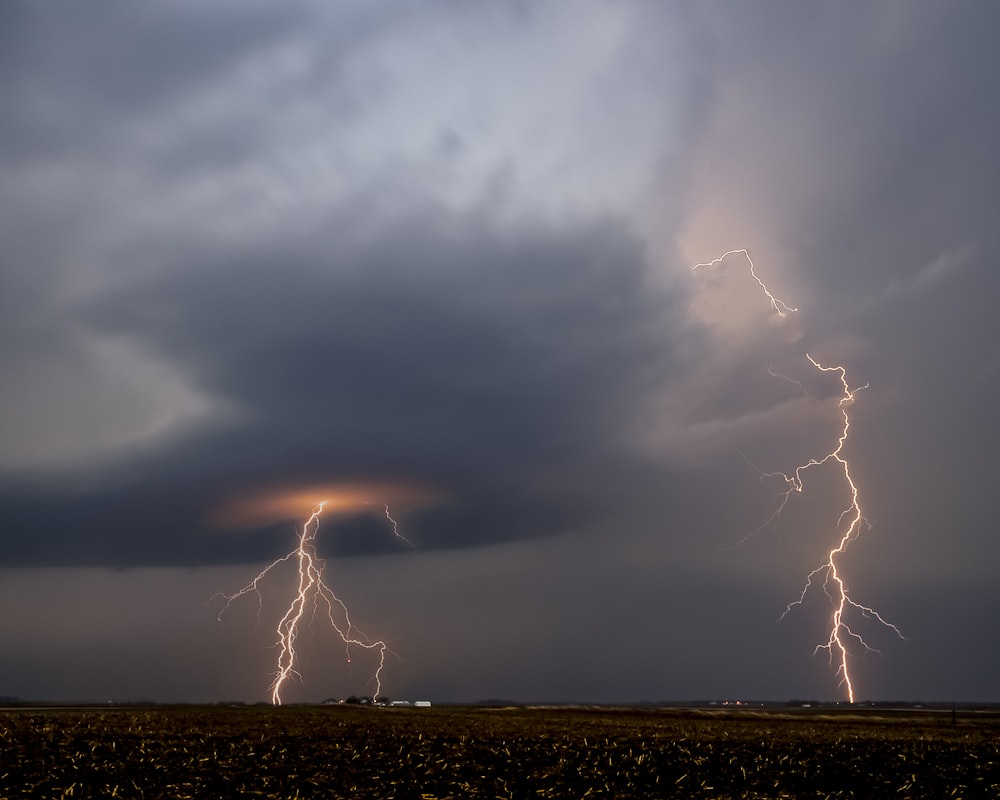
493, 753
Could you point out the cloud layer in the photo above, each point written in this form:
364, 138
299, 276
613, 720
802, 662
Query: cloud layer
446, 251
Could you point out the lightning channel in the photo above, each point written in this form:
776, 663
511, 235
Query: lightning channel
312, 597
395, 527
850, 524
780, 308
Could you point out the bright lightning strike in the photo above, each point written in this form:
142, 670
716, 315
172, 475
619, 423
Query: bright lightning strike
312, 595
850, 523
781, 309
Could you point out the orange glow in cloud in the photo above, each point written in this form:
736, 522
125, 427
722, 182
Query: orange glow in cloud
279, 504
312, 597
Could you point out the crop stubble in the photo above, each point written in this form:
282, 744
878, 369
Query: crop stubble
187, 752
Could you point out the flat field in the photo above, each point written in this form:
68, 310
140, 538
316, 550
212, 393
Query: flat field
347, 752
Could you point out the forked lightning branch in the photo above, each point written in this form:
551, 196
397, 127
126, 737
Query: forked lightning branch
312, 598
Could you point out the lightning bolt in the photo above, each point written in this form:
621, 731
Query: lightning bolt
850, 524
312, 596
395, 527
779, 307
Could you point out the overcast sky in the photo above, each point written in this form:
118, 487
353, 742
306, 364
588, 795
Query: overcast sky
438, 255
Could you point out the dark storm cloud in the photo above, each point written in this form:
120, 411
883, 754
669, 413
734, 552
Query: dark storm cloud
373, 331
496, 368
100, 74
249, 248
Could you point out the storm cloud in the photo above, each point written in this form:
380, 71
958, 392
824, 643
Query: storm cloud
446, 250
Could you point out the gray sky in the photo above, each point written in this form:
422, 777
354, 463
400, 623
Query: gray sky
438, 255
